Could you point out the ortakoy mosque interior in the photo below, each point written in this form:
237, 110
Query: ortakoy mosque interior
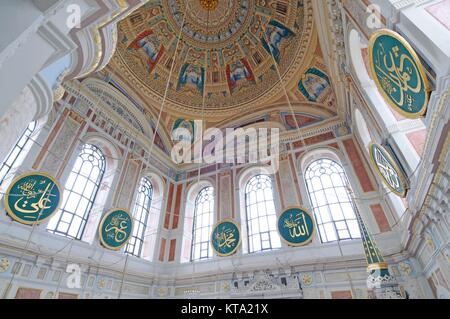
350, 201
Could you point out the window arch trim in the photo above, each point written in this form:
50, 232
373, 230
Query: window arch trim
74, 194
260, 226
307, 161
19, 150
205, 195
142, 206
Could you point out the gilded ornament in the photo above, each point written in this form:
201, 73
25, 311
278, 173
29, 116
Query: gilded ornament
307, 279
4, 264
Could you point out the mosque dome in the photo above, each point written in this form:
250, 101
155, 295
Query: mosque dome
229, 55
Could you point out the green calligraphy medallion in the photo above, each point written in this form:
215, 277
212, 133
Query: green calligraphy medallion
296, 226
115, 229
387, 169
32, 198
398, 73
226, 237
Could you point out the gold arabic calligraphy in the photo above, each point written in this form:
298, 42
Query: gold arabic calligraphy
398, 77
297, 226
225, 238
33, 201
118, 224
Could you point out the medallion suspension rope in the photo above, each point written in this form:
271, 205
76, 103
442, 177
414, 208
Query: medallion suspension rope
288, 100
306, 147
25, 249
155, 130
201, 144
70, 243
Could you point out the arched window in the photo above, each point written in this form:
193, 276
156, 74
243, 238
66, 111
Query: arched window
140, 215
15, 156
202, 226
261, 214
327, 188
79, 194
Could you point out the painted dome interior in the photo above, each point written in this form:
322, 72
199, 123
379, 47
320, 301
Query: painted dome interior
229, 55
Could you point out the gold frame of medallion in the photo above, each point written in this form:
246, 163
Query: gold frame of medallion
14, 216
238, 226
394, 163
419, 64
101, 226
305, 210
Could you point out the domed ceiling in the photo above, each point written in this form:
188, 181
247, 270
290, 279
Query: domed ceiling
227, 56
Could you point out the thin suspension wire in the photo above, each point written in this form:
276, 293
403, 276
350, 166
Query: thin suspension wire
201, 149
155, 131
298, 129
288, 100
19, 263
34, 225
157, 123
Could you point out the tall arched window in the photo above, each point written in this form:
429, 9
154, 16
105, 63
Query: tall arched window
327, 188
79, 194
202, 226
261, 214
16, 154
140, 215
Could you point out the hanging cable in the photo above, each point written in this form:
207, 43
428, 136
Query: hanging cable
157, 124
201, 145
25, 249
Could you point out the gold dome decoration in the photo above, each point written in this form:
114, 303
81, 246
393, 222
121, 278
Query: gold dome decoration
228, 54
209, 4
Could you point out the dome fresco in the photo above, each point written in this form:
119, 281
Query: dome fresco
227, 56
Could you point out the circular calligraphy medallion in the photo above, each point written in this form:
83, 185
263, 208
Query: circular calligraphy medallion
398, 73
387, 169
296, 226
32, 198
115, 229
226, 237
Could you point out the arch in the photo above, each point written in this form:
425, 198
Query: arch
363, 130
111, 156
141, 215
128, 108
327, 186
80, 193
15, 160
258, 225
17, 153
154, 213
357, 46
192, 192
202, 224
120, 103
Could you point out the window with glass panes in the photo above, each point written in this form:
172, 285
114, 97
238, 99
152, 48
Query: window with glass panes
80, 192
327, 188
15, 156
141, 215
261, 215
202, 224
